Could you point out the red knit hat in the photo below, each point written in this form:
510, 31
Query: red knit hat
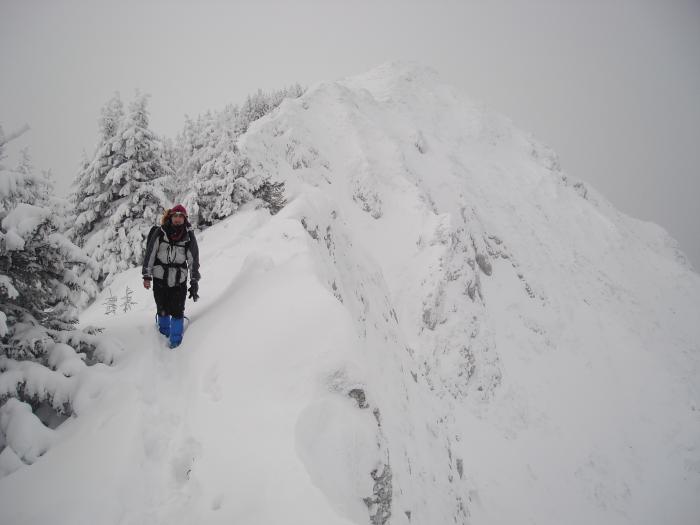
179, 208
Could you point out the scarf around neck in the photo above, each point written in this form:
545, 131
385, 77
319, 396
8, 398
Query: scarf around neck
175, 233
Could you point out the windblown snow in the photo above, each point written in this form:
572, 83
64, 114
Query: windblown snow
440, 327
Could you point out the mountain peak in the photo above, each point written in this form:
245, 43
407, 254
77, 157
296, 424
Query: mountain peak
400, 70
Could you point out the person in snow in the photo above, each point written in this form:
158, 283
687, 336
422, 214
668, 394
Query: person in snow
171, 249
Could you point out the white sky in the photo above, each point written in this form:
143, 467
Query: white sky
612, 85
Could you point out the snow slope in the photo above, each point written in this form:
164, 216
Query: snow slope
440, 327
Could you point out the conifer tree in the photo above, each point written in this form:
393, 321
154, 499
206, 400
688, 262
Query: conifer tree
125, 187
214, 176
42, 273
44, 277
90, 196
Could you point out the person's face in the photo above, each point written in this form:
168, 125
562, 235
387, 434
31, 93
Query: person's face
178, 219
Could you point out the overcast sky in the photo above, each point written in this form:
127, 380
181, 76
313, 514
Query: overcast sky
612, 85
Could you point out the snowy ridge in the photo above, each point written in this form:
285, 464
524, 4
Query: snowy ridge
440, 327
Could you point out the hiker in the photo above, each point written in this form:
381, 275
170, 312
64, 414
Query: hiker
171, 249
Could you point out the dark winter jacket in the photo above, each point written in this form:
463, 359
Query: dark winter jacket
169, 260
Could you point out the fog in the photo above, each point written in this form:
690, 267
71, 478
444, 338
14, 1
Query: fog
613, 87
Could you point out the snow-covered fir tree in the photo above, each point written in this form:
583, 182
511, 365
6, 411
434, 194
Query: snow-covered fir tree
221, 184
215, 178
90, 196
44, 278
120, 194
43, 272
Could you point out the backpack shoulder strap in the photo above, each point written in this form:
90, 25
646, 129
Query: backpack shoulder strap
152, 232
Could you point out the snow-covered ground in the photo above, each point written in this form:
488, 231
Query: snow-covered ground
440, 327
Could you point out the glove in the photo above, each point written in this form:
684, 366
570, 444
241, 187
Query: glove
194, 288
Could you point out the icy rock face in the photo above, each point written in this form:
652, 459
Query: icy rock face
499, 301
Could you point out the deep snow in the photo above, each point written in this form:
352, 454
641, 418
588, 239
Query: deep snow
440, 325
